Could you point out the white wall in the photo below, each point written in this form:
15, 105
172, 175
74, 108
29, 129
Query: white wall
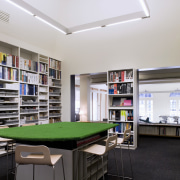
152, 42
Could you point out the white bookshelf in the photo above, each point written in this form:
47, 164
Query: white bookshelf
25, 82
54, 90
122, 103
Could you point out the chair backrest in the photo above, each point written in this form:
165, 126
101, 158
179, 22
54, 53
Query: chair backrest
111, 142
127, 134
30, 124
42, 151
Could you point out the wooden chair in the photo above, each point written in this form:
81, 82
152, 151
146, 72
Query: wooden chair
37, 155
101, 150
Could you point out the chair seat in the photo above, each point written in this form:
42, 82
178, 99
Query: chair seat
5, 139
95, 149
54, 158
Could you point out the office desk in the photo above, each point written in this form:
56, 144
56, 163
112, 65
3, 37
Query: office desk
64, 138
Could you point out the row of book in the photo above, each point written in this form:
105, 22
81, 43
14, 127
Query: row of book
121, 76
43, 68
28, 64
28, 77
54, 64
121, 115
43, 79
28, 89
119, 101
55, 74
9, 60
23, 118
9, 73
123, 126
125, 88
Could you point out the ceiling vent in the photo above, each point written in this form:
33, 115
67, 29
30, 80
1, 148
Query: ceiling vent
4, 17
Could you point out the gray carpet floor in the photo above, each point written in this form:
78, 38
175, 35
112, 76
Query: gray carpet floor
156, 158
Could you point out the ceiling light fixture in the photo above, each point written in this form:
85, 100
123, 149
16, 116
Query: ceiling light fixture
20, 7
46, 22
122, 22
145, 7
81, 28
87, 29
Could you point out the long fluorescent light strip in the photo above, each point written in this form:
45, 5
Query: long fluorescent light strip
87, 29
25, 10
146, 11
44, 21
122, 22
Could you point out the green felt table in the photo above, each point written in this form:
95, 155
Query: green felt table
62, 131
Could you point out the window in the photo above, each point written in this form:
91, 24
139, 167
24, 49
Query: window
98, 104
146, 106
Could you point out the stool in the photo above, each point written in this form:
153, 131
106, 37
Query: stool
5, 143
120, 141
101, 150
42, 158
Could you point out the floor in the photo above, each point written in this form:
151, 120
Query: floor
156, 158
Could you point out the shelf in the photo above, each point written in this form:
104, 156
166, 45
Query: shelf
121, 121
121, 95
29, 105
122, 82
8, 66
34, 78
6, 80
122, 98
29, 113
10, 109
121, 108
7, 117
34, 72
13, 102
59, 87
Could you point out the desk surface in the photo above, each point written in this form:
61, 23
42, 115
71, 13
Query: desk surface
62, 131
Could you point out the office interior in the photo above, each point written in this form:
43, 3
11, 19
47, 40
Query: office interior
150, 45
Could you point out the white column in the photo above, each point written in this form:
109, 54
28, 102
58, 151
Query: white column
84, 98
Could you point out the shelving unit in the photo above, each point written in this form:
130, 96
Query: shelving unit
9, 87
155, 129
54, 90
26, 78
122, 103
28, 87
43, 90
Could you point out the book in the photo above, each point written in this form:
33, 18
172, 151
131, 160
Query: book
127, 102
115, 88
116, 101
17, 61
129, 75
113, 115
117, 115
122, 76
